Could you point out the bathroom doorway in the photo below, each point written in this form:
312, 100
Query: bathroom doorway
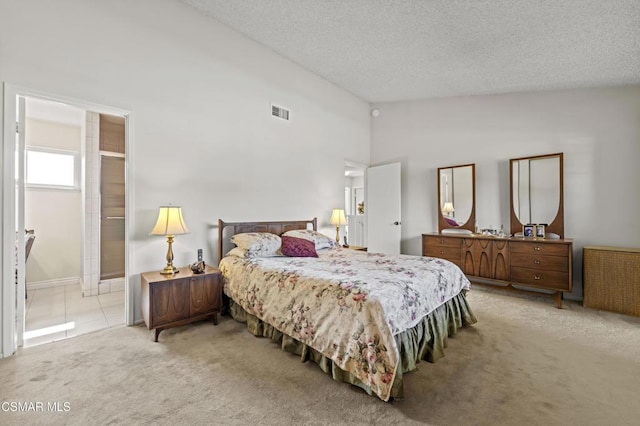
62, 299
50, 307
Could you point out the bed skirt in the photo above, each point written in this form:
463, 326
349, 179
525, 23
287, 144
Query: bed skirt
426, 341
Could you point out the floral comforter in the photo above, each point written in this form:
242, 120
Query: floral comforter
346, 304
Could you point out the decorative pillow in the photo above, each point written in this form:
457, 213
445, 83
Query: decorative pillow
298, 247
258, 244
451, 222
321, 241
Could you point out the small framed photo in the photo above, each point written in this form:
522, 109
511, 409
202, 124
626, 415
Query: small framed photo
539, 231
528, 230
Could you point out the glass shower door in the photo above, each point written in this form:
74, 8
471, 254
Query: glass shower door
112, 215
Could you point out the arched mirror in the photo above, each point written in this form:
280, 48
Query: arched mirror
457, 197
537, 195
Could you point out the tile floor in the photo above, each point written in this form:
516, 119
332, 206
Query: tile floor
57, 313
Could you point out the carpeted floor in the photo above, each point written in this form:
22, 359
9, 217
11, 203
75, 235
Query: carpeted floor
524, 362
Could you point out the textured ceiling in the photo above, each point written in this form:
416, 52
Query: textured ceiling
393, 50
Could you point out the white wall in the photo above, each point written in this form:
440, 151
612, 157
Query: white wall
200, 94
54, 214
597, 129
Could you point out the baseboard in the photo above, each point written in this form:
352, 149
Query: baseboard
35, 285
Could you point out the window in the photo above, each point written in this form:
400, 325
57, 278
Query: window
52, 168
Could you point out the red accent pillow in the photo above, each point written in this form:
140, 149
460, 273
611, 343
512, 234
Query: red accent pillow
298, 247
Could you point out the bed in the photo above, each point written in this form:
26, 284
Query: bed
364, 318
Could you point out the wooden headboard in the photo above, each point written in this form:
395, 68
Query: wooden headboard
277, 228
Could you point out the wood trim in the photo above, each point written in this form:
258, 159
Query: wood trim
274, 227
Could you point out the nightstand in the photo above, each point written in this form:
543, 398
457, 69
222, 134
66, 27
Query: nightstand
179, 299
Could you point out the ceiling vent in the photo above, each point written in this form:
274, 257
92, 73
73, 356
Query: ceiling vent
279, 112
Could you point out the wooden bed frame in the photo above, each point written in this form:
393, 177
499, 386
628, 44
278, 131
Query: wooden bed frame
277, 228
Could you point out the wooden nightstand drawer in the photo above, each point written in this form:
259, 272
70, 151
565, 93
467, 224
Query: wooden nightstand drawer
205, 295
170, 302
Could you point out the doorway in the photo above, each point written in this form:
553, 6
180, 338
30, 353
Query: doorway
61, 301
354, 203
98, 309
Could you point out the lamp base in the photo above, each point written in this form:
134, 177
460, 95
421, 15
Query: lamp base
169, 270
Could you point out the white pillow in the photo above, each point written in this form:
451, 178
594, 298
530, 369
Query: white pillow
258, 244
321, 241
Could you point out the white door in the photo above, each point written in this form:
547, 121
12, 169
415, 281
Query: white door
20, 228
384, 228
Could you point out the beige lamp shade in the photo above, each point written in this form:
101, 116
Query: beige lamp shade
170, 222
338, 218
448, 208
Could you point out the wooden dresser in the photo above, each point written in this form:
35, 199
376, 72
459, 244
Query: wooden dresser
611, 279
531, 263
175, 300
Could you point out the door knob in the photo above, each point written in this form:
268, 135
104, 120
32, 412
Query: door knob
396, 223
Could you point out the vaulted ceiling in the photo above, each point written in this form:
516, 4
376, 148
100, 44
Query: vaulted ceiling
393, 50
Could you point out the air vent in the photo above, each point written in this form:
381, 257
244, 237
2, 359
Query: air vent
279, 112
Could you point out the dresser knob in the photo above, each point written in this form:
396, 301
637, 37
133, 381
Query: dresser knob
441, 241
537, 277
441, 251
537, 248
537, 262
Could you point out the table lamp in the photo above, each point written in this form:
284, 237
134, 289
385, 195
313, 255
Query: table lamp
447, 208
338, 219
169, 224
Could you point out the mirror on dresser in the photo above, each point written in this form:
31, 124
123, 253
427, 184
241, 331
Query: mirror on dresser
457, 197
537, 193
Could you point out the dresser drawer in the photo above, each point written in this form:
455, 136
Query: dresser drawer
437, 241
540, 262
553, 280
539, 248
452, 254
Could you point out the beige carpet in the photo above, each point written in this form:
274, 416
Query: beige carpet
525, 362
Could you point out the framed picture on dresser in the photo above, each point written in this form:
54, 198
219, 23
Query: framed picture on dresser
528, 230
540, 231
